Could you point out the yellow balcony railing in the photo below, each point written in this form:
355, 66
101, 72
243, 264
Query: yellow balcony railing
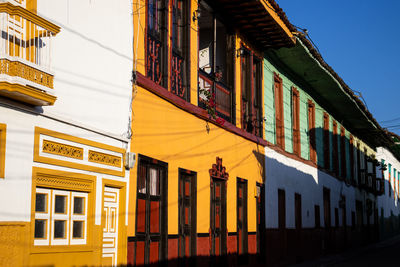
25, 52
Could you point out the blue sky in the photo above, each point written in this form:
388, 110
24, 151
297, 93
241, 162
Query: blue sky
360, 40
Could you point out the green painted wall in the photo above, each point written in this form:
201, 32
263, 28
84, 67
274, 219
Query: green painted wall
269, 114
304, 146
287, 110
269, 105
319, 134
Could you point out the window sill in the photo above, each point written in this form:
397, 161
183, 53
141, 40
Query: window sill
61, 248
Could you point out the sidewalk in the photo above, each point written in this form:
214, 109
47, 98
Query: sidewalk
336, 259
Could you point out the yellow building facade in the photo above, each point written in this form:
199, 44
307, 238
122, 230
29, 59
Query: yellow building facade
63, 181
197, 131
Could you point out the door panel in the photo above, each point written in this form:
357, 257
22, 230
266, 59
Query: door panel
218, 217
260, 222
150, 212
187, 213
110, 223
241, 203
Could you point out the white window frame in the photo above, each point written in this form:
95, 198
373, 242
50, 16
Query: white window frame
79, 217
60, 216
44, 216
50, 217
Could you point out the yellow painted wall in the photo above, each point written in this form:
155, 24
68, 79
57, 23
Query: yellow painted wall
13, 243
167, 133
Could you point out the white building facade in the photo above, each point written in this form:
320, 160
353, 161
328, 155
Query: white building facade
65, 96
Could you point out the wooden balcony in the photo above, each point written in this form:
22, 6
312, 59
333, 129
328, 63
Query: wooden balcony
25, 56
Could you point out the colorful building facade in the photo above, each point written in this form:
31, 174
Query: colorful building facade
148, 131
198, 129
63, 182
321, 169
388, 201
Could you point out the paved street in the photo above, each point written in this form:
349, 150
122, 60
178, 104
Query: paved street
381, 254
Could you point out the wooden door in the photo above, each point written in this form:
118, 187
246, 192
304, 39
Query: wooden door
151, 213
218, 217
187, 213
242, 238
110, 226
260, 222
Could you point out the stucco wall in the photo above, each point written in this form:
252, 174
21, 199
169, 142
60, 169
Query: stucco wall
296, 177
92, 61
16, 186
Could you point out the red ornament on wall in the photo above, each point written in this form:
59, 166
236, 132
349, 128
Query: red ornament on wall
218, 171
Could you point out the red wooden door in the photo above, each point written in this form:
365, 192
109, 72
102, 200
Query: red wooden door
187, 214
242, 239
150, 213
218, 217
260, 200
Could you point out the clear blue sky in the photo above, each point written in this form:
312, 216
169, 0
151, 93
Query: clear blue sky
360, 40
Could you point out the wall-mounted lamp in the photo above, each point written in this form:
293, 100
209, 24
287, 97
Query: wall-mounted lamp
240, 52
196, 14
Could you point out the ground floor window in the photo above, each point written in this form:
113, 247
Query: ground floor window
60, 217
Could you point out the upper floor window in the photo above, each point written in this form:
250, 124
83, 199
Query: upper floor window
279, 123
343, 152
326, 142
251, 83
335, 149
311, 131
156, 39
358, 163
351, 155
216, 62
180, 71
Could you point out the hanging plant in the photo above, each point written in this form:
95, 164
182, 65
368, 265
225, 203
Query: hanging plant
211, 105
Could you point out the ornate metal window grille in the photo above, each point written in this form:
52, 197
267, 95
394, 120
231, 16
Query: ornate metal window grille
180, 48
156, 24
154, 59
177, 68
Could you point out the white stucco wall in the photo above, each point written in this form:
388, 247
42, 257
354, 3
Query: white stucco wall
92, 61
15, 188
296, 177
390, 204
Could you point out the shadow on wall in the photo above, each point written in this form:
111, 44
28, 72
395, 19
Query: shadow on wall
261, 160
310, 213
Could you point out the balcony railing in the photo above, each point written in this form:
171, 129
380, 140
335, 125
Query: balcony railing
222, 96
25, 51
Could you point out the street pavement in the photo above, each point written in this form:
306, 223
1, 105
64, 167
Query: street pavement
385, 253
